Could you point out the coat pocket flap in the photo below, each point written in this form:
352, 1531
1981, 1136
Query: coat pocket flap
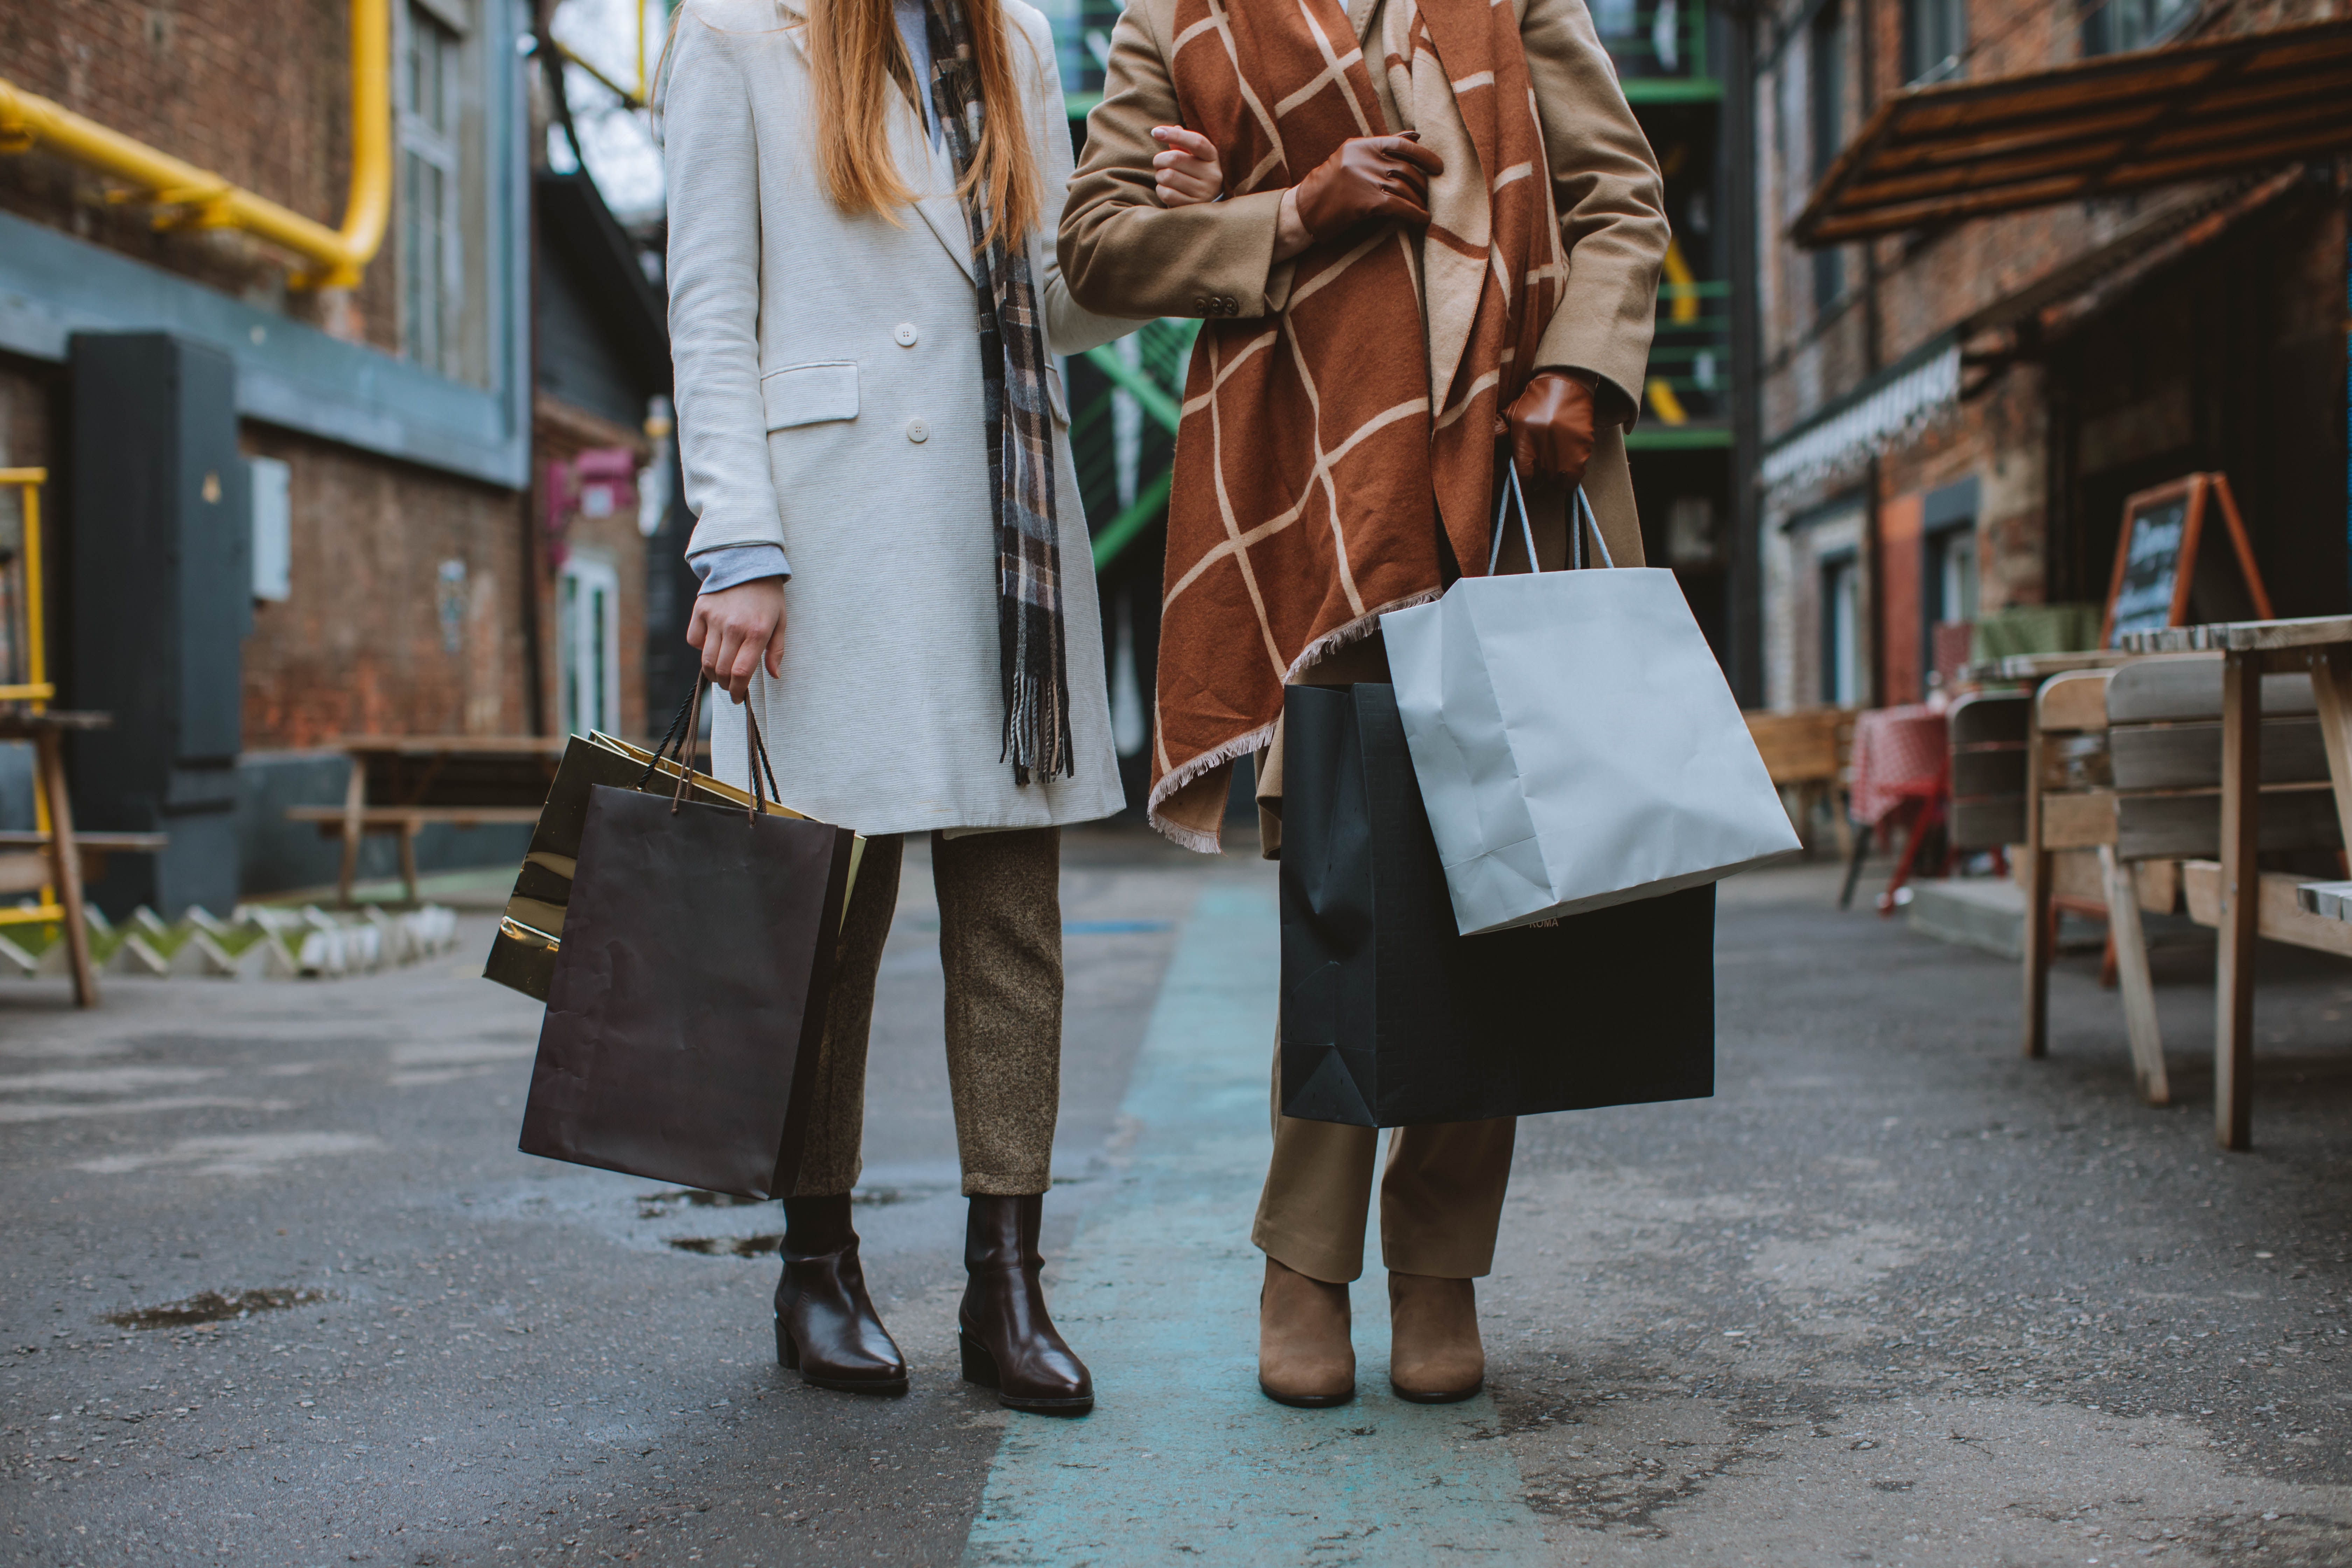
809, 394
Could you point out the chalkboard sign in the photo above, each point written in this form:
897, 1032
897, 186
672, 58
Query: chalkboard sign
2164, 543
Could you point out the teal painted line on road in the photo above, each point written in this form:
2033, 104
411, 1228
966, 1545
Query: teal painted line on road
1183, 1459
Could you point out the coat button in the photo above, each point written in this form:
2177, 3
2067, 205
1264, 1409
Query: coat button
905, 333
1228, 306
917, 431
1203, 305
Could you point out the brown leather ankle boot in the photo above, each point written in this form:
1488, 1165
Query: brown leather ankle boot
1007, 1340
1303, 1354
826, 1328
1435, 1356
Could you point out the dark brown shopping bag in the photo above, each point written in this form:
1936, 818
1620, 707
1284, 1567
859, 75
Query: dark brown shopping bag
531, 929
689, 995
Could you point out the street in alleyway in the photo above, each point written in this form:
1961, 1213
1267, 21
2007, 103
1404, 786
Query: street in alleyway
279, 1291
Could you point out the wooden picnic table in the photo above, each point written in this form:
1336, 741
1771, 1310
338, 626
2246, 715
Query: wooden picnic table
404, 783
2032, 669
2320, 646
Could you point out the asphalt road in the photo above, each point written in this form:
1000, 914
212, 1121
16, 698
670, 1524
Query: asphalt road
1892, 1295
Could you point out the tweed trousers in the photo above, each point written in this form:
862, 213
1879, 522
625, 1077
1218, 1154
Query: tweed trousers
1001, 945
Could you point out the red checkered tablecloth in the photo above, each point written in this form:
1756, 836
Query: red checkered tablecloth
1896, 751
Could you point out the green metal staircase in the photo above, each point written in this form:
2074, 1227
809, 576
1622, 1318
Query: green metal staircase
1123, 436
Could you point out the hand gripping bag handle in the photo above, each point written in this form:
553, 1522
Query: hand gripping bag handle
682, 730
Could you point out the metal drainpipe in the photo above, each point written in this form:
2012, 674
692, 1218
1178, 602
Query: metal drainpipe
1739, 173
206, 200
1866, 63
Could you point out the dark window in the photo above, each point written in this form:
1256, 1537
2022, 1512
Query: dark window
1934, 33
1826, 82
2115, 27
1841, 630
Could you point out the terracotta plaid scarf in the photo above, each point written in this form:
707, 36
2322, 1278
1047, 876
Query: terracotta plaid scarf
1312, 473
1032, 646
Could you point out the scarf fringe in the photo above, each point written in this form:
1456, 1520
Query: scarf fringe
1355, 631
1257, 740
1175, 779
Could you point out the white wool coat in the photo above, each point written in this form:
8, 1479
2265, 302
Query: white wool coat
829, 400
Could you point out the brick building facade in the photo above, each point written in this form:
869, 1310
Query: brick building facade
1951, 417
393, 430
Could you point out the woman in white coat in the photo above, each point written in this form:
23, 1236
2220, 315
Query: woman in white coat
865, 302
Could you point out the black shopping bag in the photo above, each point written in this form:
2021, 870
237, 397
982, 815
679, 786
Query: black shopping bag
1390, 1017
689, 992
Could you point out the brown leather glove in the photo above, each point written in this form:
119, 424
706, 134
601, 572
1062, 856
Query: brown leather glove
1368, 179
1551, 426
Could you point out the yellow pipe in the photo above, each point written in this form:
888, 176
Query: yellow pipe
338, 256
1683, 304
628, 100
1663, 399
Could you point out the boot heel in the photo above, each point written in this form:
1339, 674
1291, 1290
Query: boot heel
788, 1351
979, 1366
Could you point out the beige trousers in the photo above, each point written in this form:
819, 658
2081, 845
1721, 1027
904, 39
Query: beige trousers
1441, 1195
1001, 945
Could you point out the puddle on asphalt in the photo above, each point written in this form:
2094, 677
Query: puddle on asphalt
728, 1246
213, 1307
661, 1205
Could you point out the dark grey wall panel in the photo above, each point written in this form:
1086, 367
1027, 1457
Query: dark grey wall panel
160, 581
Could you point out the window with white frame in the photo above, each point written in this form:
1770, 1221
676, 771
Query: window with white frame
431, 85
2115, 27
588, 617
1934, 34
1951, 575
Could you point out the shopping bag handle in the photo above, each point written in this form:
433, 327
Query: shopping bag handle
756, 762
1513, 495
678, 734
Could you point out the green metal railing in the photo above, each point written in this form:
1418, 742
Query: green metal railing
1125, 473
1659, 49
1690, 350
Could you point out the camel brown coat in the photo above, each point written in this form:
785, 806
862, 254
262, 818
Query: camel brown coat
1122, 253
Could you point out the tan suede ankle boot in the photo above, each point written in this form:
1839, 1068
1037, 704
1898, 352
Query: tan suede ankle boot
1435, 1356
1303, 1354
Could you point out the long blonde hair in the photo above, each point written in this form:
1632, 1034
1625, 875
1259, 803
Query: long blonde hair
856, 59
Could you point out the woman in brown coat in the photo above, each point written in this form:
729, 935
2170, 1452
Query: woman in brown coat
1385, 290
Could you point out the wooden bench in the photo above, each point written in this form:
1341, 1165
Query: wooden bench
402, 784
1805, 753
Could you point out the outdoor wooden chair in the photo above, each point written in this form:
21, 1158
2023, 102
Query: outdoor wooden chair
1806, 752
2126, 765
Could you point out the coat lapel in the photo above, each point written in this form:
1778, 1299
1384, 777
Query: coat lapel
926, 168
932, 171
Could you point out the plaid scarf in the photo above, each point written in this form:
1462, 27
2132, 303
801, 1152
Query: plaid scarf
1032, 652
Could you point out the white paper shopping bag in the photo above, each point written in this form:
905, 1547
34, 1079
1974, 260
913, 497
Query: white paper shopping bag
1575, 742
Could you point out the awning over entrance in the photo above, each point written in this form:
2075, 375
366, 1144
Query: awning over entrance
2126, 122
